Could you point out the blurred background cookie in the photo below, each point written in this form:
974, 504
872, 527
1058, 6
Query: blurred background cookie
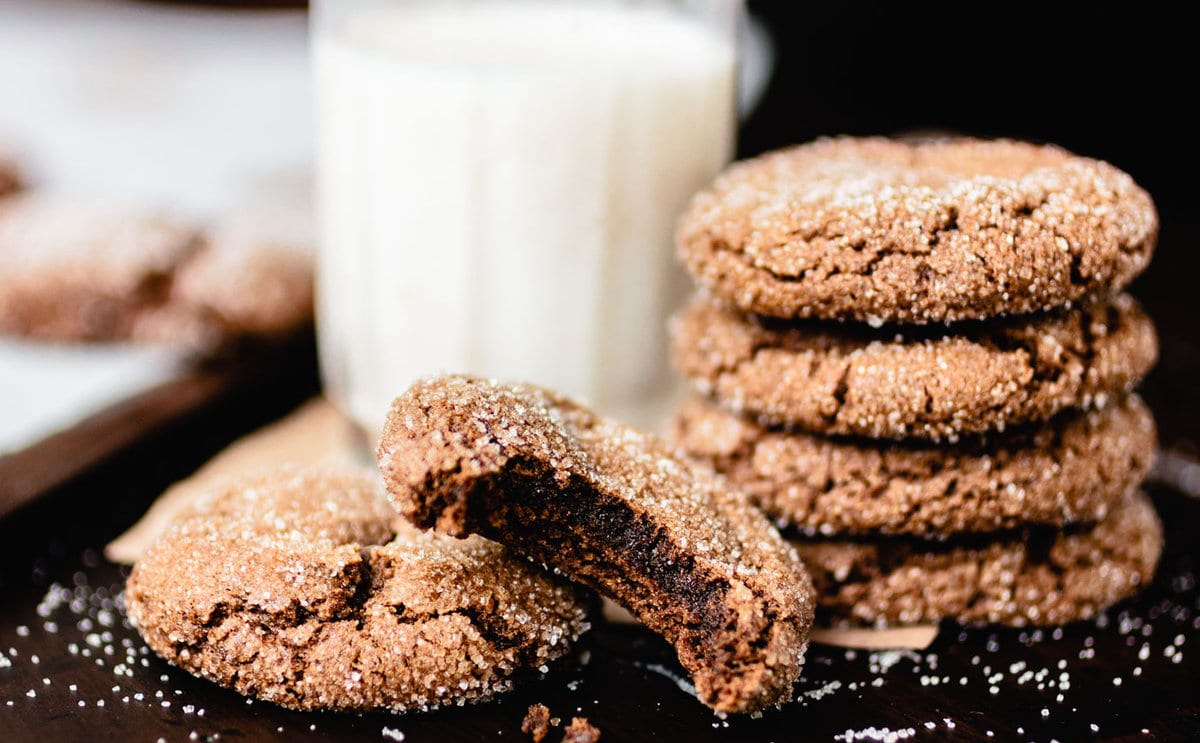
252, 279
10, 177
73, 272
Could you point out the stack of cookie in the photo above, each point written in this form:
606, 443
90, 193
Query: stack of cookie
916, 358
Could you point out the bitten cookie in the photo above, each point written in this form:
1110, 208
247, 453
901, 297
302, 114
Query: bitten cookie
1037, 577
1074, 468
613, 508
881, 230
75, 272
915, 382
303, 588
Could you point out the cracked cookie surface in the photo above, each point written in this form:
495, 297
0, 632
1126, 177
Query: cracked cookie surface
615, 509
84, 272
1025, 578
304, 588
1073, 469
914, 382
881, 230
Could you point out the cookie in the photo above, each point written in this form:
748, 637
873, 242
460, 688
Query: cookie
880, 230
1030, 578
1073, 469
303, 588
917, 382
10, 177
251, 280
79, 272
613, 508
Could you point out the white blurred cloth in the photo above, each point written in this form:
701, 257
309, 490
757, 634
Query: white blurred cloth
46, 388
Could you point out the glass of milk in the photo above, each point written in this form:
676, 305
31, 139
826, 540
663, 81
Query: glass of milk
497, 186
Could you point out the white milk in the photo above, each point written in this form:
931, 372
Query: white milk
498, 186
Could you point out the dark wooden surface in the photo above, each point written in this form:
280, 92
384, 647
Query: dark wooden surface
39, 469
75, 671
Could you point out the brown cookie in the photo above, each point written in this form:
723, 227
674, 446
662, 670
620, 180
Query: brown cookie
10, 177
881, 230
613, 508
919, 382
251, 280
1035, 577
76, 272
303, 588
1073, 469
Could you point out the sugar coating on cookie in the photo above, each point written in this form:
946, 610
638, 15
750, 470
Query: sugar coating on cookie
615, 509
83, 272
914, 382
252, 279
881, 230
1033, 577
1073, 469
304, 588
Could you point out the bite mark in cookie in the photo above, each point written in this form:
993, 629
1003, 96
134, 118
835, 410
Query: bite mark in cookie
615, 509
303, 588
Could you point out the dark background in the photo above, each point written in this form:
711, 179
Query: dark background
1116, 81
1116, 84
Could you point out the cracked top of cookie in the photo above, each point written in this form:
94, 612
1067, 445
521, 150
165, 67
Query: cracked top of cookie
914, 382
881, 230
304, 588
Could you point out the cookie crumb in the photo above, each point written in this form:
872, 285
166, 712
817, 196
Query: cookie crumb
581, 731
537, 722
